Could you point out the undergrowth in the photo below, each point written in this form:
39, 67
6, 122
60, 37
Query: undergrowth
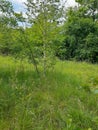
63, 100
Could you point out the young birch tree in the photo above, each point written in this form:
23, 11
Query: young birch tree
44, 18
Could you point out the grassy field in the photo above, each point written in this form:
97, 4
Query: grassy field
66, 99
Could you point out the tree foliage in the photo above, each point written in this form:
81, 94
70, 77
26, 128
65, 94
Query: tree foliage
7, 23
44, 18
44, 34
81, 30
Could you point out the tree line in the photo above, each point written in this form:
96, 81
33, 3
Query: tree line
49, 31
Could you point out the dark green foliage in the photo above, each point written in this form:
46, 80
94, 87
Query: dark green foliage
7, 25
81, 31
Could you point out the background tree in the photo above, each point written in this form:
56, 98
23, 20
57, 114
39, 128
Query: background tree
91, 6
81, 28
7, 23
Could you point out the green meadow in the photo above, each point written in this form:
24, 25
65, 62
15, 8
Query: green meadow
65, 99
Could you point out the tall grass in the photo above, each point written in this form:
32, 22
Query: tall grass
63, 100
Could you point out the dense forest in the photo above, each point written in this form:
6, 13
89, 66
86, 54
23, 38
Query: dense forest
49, 65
